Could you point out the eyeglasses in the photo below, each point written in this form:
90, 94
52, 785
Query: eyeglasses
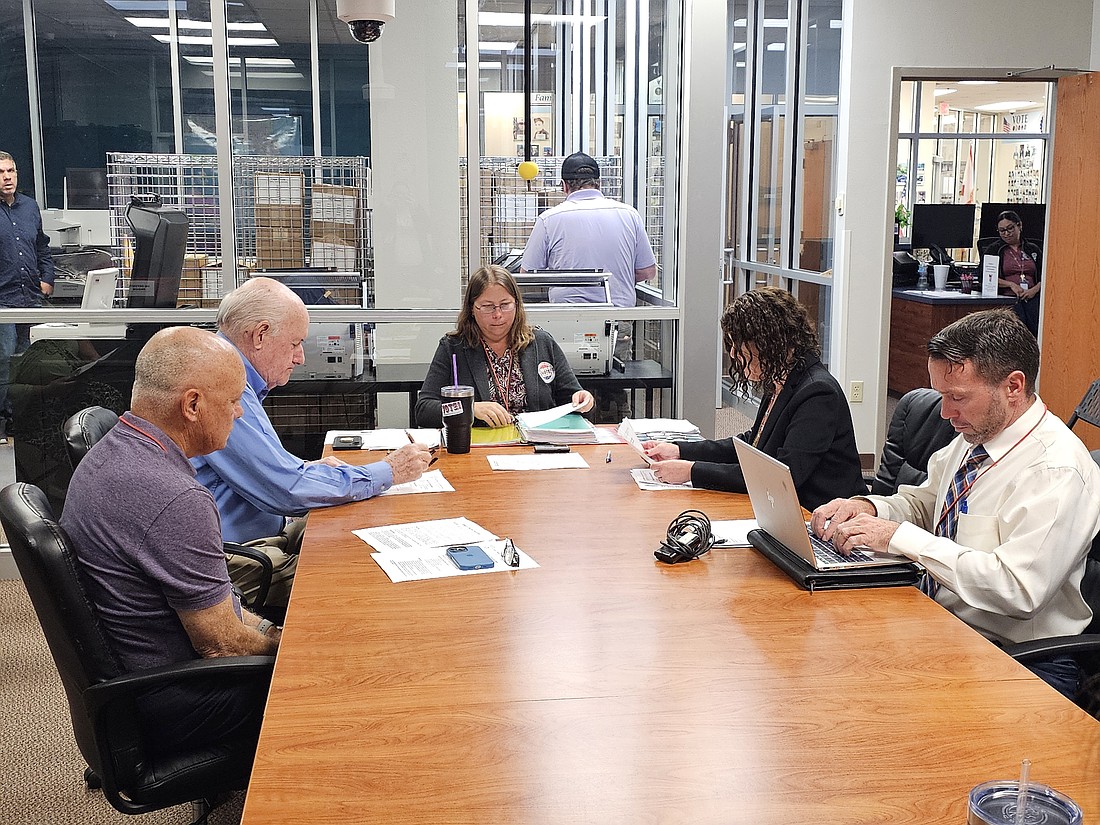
504, 307
510, 554
1007, 230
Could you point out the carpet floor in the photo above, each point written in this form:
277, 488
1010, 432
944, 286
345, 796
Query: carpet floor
41, 771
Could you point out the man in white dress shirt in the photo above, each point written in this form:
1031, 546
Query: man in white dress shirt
1006, 518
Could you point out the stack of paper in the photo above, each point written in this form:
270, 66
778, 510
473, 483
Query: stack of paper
637, 430
495, 436
561, 425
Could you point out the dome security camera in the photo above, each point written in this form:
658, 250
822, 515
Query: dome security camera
366, 18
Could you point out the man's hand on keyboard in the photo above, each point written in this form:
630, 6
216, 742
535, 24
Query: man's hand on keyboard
862, 531
836, 512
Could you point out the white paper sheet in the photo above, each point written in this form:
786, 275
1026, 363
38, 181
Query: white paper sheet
539, 461
530, 420
431, 482
645, 480
441, 532
388, 439
733, 533
420, 563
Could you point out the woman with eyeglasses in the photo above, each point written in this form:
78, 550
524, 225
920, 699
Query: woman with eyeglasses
803, 421
1020, 268
512, 366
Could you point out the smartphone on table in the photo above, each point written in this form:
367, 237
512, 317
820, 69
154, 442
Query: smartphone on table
469, 557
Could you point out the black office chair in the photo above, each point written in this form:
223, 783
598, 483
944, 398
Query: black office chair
1088, 410
916, 431
134, 777
83, 429
1084, 647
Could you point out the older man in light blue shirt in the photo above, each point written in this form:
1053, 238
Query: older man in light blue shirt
255, 482
590, 231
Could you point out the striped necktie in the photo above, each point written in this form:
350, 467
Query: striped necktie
955, 503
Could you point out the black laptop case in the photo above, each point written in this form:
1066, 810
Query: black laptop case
810, 578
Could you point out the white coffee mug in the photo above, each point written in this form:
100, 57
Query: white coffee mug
940, 271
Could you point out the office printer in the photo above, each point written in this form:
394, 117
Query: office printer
587, 340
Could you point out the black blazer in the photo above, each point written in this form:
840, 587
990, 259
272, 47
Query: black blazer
809, 429
473, 371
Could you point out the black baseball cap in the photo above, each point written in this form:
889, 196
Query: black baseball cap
579, 166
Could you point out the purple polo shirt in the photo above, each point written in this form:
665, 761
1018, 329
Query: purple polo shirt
148, 541
589, 231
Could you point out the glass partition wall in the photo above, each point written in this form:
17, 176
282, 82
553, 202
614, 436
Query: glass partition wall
784, 87
287, 82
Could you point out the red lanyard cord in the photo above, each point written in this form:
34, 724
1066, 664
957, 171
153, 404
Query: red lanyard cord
150, 436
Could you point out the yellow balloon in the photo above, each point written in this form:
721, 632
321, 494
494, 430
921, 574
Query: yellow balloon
528, 170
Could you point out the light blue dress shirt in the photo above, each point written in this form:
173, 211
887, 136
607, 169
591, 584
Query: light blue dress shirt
256, 483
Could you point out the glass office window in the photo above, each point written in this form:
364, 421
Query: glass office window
15, 125
346, 87
771, 49
738, 134
197, 79
104, 81
819, 89
269, 81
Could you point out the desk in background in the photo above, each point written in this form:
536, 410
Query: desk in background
605, 687
914, 318
638, 375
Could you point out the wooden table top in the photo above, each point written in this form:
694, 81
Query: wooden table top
605, 687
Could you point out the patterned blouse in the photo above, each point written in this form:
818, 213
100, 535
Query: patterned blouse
506, 385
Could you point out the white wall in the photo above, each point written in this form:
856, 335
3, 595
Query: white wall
969, 36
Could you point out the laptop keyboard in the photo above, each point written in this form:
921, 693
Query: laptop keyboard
826, 553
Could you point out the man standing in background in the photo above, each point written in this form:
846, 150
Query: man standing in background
590, 231
26, 272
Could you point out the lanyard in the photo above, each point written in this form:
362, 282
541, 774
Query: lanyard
960, 499
505, 401
150, 436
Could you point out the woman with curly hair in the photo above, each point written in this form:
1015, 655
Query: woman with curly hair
804, 420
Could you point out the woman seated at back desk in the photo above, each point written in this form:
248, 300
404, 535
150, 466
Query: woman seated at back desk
804, 420
512, 366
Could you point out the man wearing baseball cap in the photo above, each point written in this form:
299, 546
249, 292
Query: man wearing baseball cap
590, 231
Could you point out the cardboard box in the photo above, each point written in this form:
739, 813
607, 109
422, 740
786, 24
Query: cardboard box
192, 290
280, 220
333, 227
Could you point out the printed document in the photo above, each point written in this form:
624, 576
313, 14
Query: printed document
538, 461
431, 482
733, 533
442, 532
644, 478
420, 563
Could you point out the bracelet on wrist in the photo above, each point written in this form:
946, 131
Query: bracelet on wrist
264, 626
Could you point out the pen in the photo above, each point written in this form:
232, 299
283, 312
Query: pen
608, 459
430, 450
410, 437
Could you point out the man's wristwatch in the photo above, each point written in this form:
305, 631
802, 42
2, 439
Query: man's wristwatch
264, 626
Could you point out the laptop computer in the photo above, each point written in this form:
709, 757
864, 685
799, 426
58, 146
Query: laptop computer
775, 505
99, 289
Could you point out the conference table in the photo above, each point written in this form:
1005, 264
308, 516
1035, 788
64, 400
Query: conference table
606, 687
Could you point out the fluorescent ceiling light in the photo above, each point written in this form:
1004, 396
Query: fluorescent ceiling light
264, 75
977, 82
836, 24
773, 23
162, 23
1006, 106
191, 40
741, 21
828, 99
941, 92
156, 6
514, 19
777, 47
737, 47
490, 46
201, 60
740, 64
949, 120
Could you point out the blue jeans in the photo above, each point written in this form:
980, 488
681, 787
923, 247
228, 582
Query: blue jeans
1060, 672
14, 340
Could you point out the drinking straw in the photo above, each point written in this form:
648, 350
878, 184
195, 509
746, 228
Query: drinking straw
454, 367
1021, 793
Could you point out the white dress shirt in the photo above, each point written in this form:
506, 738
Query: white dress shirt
1013, 571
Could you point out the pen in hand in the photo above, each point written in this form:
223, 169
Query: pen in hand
608, 459
430, 450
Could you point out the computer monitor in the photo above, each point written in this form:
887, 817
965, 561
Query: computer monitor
86, 189
1033, 215
160, 241
938, 227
